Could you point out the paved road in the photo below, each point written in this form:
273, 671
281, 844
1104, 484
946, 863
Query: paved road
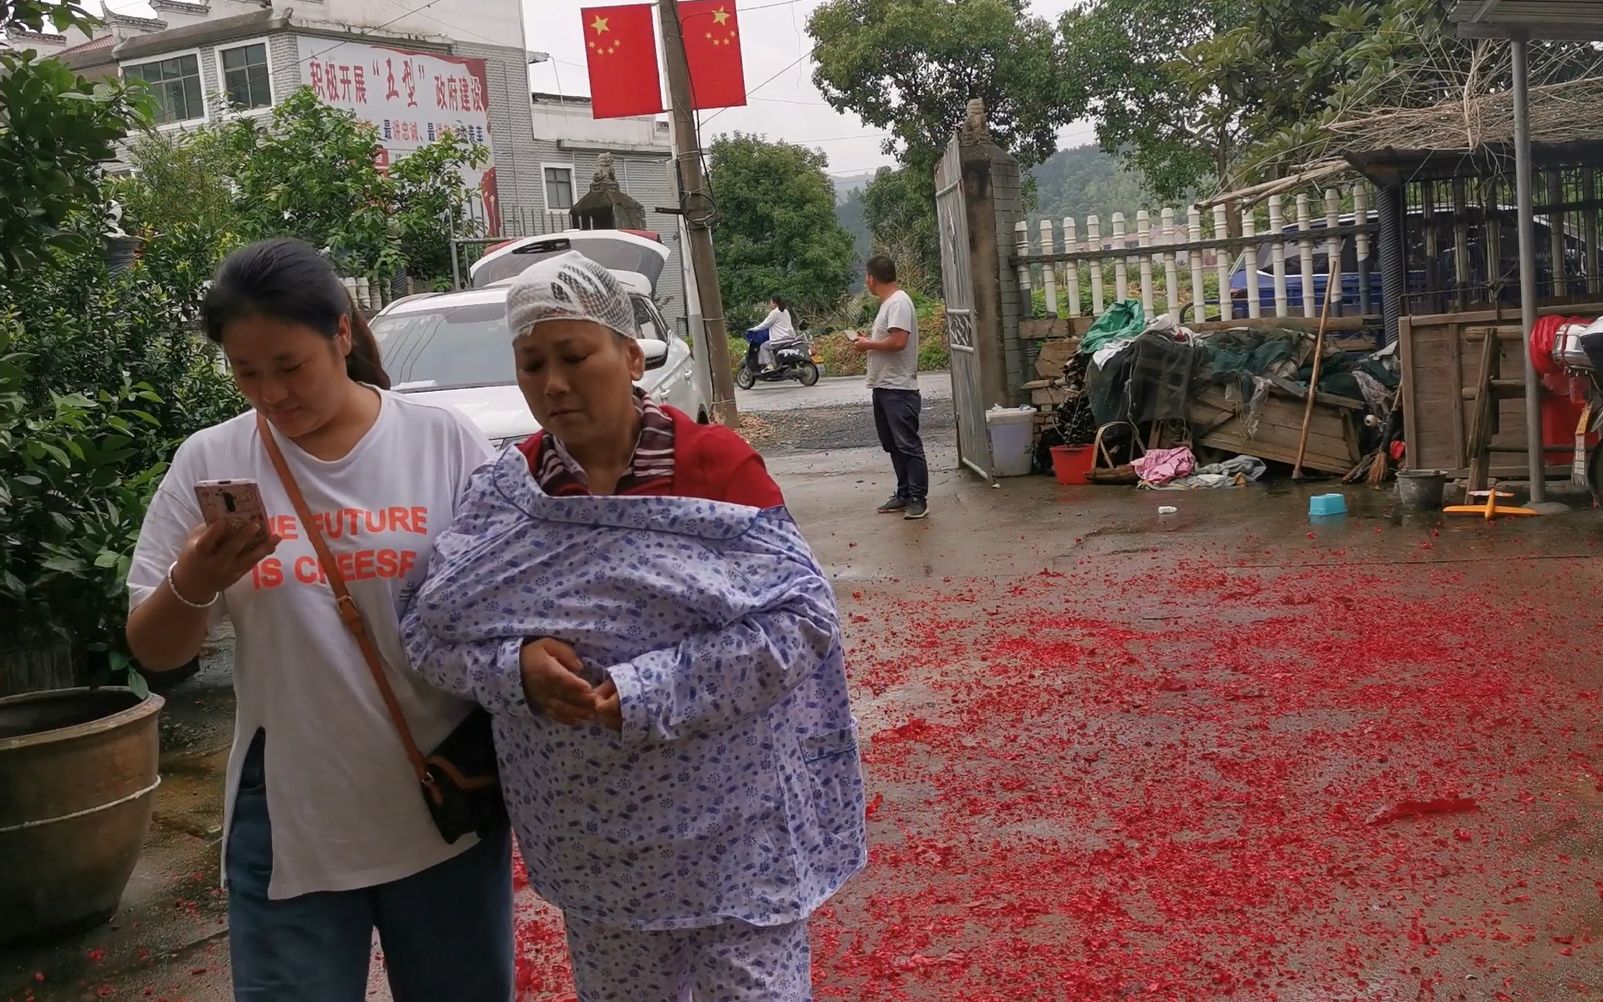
836, 392
835, 415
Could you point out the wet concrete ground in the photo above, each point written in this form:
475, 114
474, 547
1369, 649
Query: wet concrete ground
1225, 754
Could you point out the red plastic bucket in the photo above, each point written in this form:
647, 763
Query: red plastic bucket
1072, 463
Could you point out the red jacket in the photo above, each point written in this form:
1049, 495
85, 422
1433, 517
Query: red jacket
709, 461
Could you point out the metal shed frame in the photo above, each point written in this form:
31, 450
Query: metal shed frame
1519, 22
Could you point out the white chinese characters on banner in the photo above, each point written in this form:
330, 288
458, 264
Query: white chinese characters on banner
411, 98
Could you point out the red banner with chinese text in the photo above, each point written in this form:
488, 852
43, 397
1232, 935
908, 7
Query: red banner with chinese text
621, 50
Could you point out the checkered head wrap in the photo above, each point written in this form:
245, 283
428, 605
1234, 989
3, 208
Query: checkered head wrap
569, 287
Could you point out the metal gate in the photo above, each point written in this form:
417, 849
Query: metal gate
957, 283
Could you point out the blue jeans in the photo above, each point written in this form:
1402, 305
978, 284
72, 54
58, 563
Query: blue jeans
446, 932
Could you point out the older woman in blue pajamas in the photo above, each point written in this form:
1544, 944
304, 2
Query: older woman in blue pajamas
662, 654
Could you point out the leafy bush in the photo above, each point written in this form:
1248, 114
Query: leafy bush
839, 358
103, 373
100, 373
56, 128
72, 494
309, 172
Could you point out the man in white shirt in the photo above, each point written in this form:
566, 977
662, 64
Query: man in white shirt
892, 349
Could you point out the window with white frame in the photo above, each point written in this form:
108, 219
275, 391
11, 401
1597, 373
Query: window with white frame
175, 84
245, 76
558, 188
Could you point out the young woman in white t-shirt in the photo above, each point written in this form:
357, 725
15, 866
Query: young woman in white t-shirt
349, 846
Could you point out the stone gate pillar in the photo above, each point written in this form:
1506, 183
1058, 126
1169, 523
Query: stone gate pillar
993, 193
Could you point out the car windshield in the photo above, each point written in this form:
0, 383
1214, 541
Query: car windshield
451, 346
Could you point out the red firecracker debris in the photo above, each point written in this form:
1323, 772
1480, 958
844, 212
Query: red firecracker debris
1422, 808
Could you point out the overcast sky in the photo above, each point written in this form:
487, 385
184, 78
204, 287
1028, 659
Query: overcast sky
783, 103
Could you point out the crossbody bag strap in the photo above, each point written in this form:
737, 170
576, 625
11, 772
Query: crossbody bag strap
350, 613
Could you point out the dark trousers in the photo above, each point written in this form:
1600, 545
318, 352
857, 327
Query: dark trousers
896, 418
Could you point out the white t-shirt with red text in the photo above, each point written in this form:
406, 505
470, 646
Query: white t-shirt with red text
345, 806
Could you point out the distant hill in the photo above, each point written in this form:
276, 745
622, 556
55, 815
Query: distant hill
848, 183
849, 210
853, 218
1086, 180
1075, 182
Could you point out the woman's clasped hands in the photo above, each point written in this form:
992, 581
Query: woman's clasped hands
553, 683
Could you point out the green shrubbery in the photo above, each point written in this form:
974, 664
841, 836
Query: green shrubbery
102, 369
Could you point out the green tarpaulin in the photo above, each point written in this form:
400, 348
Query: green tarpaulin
1119, 322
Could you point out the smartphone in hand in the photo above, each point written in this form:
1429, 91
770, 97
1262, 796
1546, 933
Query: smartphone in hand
238, 502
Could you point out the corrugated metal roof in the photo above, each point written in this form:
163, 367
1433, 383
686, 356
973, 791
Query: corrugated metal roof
1575, 20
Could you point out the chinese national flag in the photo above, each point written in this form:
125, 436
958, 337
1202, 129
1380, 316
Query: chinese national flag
712, 45
621, 48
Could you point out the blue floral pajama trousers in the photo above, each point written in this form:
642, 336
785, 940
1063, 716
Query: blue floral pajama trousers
729, 962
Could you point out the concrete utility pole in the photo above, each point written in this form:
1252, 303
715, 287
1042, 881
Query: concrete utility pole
697, 208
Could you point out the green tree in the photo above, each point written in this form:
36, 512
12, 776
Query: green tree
310, 172
1179, 88
180, 199
56, 130
82, 440
777, 233
911, 67
899, 207
1197, 93
431, 204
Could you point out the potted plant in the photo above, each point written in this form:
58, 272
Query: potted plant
78, 764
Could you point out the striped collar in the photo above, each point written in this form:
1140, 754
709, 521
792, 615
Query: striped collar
558, 474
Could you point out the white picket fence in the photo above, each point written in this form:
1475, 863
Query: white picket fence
1184, 249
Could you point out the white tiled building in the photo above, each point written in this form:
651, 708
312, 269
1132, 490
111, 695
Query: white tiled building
409, 71
567, 141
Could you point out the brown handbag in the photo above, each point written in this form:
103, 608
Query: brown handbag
459, 780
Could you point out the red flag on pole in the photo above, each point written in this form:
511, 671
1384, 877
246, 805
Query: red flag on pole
712, 46
621, 49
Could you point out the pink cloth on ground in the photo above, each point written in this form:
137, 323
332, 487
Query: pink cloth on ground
1161, 466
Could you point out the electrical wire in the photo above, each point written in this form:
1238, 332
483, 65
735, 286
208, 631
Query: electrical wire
372, 31
783, 70
767, 6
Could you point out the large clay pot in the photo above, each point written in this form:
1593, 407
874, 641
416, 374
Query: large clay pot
78, 767
33, 663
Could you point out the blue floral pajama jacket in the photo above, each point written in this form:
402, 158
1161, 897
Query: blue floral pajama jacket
734, 792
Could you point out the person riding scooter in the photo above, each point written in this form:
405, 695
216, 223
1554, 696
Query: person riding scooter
778, 353
781, 332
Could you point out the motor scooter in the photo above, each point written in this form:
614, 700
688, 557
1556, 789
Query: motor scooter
792, 361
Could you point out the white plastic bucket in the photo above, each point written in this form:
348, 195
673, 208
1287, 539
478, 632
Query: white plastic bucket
1012, 431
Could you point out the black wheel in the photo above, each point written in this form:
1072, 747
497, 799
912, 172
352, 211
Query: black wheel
702, 417
808, 373
744, 378
1594, 473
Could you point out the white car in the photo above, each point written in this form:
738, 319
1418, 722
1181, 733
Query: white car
622, 252
455, 348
